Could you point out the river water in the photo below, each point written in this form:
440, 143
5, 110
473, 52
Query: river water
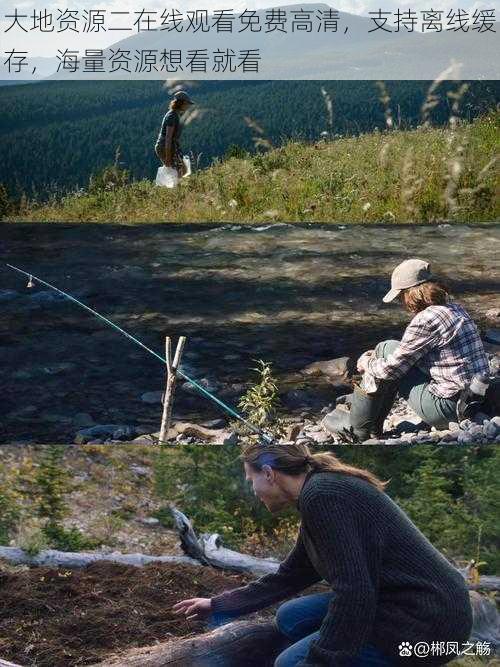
287, 294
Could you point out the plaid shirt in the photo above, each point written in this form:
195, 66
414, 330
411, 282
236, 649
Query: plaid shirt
444, 343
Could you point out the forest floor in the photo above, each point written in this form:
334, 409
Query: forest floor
54, 617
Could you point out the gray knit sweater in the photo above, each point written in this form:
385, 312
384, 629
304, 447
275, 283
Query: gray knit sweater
390, 584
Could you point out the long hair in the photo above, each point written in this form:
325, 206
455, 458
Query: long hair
295, 459
430, 293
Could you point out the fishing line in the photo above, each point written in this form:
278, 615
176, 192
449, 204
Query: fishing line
31, 277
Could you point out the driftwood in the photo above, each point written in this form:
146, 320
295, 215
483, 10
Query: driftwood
172, 366
238, 644
208, 549
53, 558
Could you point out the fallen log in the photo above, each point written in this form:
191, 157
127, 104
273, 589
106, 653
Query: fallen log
53, 558
208, 549
237, 644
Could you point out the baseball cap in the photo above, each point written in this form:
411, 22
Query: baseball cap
182, 96
409, 273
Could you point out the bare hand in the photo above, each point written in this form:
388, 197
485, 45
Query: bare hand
362, 364
194, 608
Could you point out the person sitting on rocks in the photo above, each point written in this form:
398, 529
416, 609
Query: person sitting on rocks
439, 354
390, 588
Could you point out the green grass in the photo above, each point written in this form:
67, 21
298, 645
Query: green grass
421, 175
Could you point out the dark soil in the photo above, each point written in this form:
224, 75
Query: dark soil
60, 618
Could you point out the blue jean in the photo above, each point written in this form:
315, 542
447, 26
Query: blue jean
299, 621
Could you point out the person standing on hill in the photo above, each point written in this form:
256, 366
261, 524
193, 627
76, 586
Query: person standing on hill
167, 146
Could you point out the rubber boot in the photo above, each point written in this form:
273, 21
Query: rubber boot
386, 395
367, 414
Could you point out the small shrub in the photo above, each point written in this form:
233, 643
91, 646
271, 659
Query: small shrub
260, 403
52, 484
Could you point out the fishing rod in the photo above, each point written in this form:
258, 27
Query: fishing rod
255, 429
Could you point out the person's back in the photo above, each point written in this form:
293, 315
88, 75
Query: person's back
458, 352
420, 596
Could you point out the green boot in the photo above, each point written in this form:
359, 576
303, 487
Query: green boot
366, 416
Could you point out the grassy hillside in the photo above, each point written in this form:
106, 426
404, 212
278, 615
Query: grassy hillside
54, 135
419, 175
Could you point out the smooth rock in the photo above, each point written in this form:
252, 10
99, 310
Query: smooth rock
449, 437
152, 397
206, 383
141, 471
124, 433
214, 423
493, 336
47, 296
150, 521
98, 431
493, 314
337, 368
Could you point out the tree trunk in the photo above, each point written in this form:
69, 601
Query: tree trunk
53, 558
238, 644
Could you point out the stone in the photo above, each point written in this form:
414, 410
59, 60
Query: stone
465, 438
47, 296
214, 423
449, 437
98, 431
206, 383
150, 521
152, 397
140, 471
124, 433
426, 438
337, 368
301, 398
493, 336
144, 440
319, 436
493, 315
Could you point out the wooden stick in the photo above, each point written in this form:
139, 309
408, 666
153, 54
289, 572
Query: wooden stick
172, 367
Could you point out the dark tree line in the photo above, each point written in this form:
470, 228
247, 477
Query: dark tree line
54, 135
